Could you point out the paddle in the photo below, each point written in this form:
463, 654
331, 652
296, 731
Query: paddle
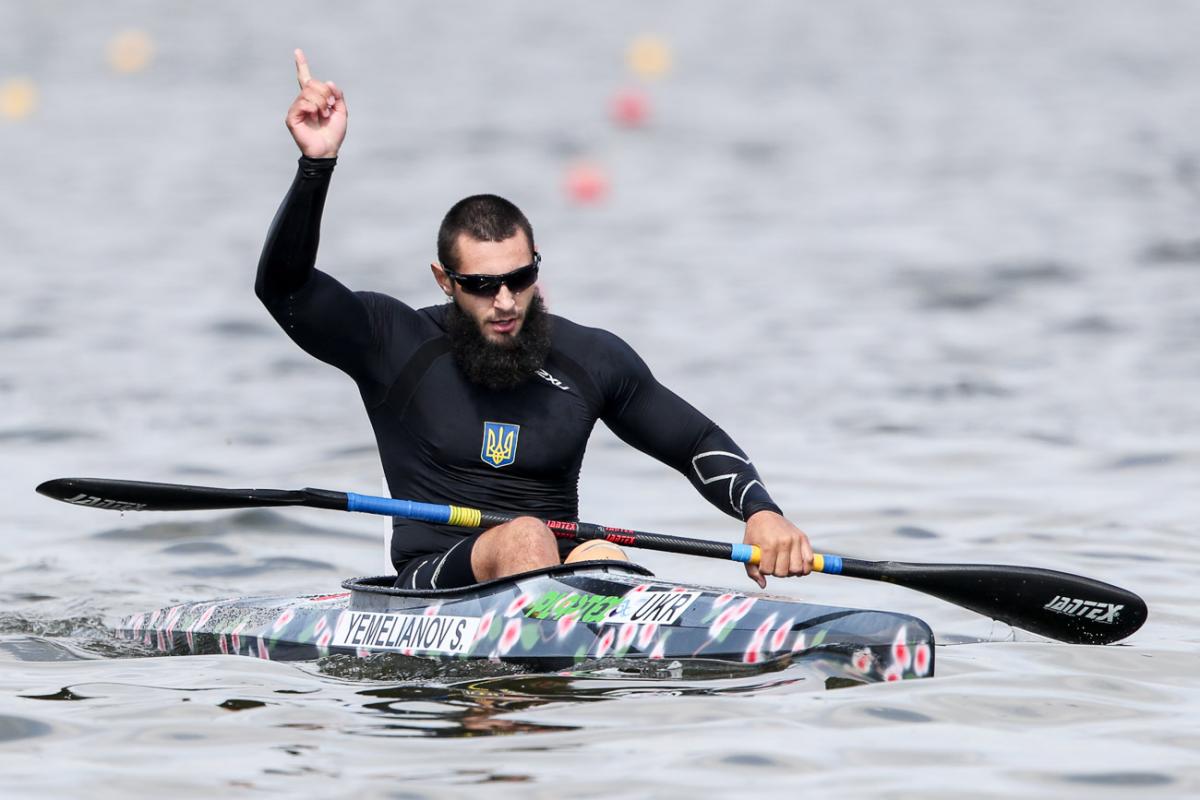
1058, 605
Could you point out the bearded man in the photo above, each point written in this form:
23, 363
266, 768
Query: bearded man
488, 400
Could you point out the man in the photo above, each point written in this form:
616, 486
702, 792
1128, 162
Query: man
488, 400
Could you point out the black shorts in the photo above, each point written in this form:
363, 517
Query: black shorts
446, 570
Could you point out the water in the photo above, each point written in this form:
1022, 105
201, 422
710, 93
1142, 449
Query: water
934, 265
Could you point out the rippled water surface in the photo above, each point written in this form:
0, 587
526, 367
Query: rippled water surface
935, 265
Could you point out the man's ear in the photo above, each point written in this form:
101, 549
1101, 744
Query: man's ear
439, 275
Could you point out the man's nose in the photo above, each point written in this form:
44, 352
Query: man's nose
505, 299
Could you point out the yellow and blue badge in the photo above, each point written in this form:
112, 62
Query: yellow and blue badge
499, 443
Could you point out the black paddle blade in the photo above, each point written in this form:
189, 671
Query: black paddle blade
1058, 605
143, 496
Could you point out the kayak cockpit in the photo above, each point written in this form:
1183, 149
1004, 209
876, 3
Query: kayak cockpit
385, 584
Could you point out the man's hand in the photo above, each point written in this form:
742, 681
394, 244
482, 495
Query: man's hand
785, 548
317, 117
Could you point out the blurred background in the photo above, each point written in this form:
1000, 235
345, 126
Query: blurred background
935, 266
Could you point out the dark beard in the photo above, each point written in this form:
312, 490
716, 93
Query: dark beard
500, 366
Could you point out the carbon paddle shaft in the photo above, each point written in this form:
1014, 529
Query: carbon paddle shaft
120, 495
586, 531
574, 531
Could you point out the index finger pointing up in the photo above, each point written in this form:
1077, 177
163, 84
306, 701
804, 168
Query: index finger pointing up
302, 73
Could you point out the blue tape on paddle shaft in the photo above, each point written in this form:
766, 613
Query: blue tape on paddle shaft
741, 552
424, 512
833, 565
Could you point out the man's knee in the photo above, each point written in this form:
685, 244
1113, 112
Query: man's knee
522, 544
596, 550
527, 532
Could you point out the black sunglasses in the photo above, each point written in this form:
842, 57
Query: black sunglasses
489, 285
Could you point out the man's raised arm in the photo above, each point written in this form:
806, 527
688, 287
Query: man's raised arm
317, 121
321, 315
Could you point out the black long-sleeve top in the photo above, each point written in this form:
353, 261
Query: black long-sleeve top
443, 439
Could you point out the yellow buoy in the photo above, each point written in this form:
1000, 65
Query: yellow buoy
18, 98
130, 51
649, 57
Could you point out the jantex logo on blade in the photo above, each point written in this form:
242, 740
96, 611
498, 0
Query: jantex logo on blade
100, 502
1089, 609
431, 634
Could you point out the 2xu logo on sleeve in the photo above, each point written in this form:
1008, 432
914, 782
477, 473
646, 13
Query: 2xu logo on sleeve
1089, 609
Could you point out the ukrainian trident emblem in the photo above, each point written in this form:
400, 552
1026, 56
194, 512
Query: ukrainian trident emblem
499, 443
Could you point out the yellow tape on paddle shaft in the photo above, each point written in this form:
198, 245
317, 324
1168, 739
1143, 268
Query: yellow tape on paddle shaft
465, 517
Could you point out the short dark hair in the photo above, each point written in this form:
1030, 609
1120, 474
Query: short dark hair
483, 217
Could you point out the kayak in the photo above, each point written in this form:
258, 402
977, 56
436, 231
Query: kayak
561, 617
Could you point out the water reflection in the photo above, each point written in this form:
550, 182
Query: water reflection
491, 706
453, 712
